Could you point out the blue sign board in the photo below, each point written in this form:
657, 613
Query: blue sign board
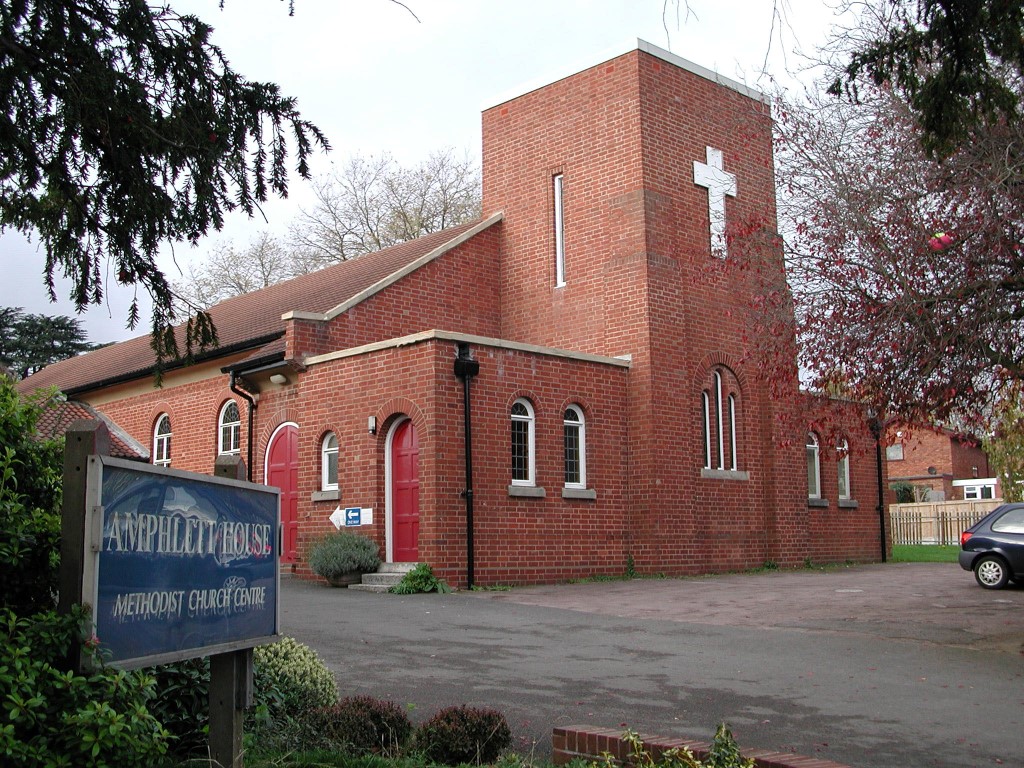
186, 565
353, 516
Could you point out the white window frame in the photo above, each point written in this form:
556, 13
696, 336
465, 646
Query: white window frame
843, 470
233, 428
329, 453
529, 420
813, 463
162, 441
580, 427
557, 188
972, 489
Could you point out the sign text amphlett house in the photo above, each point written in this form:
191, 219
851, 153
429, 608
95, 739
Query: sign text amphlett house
183, 564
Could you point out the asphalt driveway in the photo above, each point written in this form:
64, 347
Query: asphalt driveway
880, 665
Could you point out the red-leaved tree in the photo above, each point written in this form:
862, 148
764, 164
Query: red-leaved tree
906, 270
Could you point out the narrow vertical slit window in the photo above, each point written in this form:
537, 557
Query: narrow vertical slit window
706, 405
719, 420
559, 223
732, 432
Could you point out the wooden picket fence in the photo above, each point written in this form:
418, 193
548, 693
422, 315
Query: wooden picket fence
936, 522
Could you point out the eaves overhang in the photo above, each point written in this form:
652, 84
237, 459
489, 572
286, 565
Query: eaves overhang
127, 376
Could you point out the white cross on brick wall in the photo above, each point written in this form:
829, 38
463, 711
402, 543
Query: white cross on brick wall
719, 183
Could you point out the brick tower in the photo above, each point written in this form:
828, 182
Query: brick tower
622, 187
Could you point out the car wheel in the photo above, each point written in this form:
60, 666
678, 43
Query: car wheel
991, 572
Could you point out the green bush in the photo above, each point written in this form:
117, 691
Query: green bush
365, 725
462, 734
420, 579
289, 678
181, 702
31, 473
290, 683
55, 718
342, 552
904, 492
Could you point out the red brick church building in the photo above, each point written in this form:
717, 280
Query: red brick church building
566, 383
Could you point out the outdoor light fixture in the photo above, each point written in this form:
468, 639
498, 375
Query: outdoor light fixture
371, 425
278, 378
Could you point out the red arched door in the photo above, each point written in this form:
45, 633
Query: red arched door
405, 493
283, 473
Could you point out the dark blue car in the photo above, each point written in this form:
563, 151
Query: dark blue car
994, 547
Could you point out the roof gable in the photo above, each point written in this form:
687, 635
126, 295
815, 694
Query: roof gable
253, 319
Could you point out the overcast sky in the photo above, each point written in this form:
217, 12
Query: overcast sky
375, 79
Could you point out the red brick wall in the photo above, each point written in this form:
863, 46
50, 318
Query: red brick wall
640, 280
517, 540
586, 127
587, 743
923, 449
457, 291
969, 460
846, 530
194, 409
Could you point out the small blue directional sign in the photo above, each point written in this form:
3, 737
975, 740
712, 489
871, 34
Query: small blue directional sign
353, 516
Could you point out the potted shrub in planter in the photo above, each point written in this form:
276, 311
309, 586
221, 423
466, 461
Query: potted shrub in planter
342, 558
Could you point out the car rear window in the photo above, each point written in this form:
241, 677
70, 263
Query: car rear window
1011, 522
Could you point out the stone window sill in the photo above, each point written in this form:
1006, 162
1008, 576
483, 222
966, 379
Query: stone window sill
724, 474
334, 495
817, 502
586, 494
848, 504
527, 491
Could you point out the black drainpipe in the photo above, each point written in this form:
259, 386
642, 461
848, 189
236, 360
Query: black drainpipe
875, 425
466, 368
252, 407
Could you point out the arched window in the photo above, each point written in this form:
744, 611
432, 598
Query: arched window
523, 469
574, 430
162, 441
843, 462
230, 434
813, 467
720, 404
329, 462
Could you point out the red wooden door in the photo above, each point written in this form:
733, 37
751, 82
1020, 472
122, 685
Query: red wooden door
283, 473
405, 494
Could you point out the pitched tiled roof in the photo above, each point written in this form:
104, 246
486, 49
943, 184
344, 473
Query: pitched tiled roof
56, 419
247, 321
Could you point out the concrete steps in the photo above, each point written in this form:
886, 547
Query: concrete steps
387, 576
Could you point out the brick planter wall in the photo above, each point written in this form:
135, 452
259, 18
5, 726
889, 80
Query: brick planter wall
588, 743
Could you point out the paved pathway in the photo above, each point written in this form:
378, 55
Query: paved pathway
886, 665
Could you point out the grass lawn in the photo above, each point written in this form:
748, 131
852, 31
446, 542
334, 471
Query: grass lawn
924, 553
